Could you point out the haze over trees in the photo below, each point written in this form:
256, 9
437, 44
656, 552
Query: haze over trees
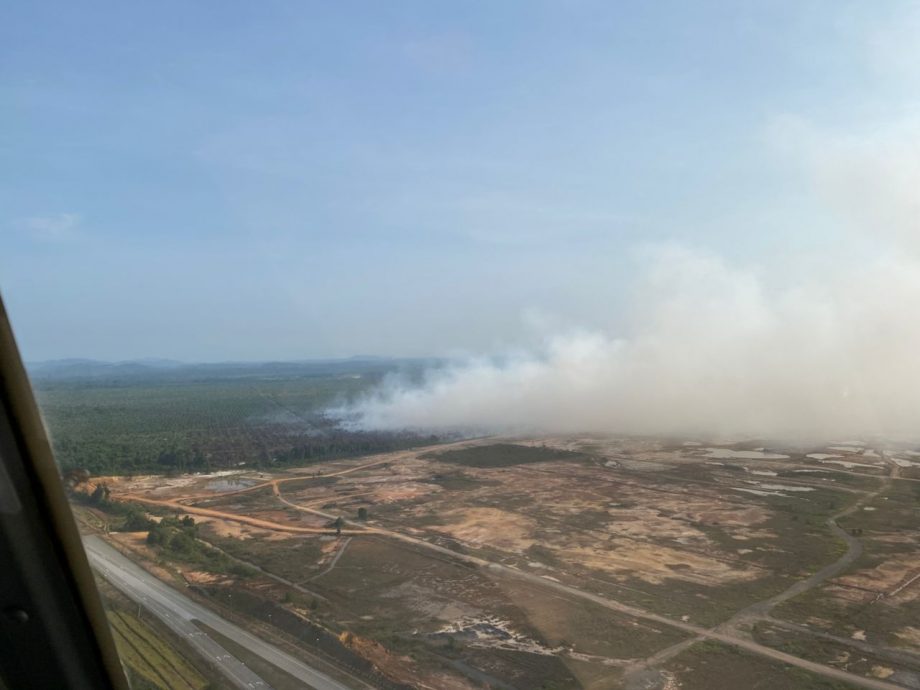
204, 418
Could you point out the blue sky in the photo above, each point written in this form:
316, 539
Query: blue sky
284, 180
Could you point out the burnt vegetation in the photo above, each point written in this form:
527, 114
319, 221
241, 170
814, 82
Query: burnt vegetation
504, 455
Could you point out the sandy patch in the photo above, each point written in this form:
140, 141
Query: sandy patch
888, 576
655, 563
237, 530
642, 522
428, 602
727, 515
882, 671
403, 491
491, 526
909, 637
198, 577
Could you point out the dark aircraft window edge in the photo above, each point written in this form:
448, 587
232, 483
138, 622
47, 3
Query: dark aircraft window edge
58, 531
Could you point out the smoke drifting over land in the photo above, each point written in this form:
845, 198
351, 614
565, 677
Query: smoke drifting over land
715, 352
716, 349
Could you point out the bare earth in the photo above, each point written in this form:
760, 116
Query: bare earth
595, 563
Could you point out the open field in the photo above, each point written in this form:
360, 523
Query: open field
575, 562
877, 600
710, 665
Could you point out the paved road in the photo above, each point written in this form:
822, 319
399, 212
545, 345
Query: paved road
178, 612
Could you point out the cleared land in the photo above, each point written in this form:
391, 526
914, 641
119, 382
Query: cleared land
573, 562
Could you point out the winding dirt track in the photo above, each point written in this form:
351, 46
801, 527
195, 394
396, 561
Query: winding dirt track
725, 633
638, 674
183, 504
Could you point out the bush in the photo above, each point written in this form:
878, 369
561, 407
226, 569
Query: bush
177, 539
136, 521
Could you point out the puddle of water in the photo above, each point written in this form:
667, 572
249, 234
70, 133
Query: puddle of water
901, 462
229, 484
723, 453
782, 487
849, 465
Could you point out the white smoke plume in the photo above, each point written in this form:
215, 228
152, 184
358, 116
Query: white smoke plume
716, 349
716, 353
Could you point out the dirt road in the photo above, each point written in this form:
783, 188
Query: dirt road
234, 517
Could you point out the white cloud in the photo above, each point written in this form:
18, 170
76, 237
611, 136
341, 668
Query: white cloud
58, 228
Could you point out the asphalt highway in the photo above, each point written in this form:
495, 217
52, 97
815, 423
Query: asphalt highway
178, 612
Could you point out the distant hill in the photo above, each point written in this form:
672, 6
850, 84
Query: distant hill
151, 370
91, 368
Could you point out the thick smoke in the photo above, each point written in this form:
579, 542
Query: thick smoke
715, 349
716, 352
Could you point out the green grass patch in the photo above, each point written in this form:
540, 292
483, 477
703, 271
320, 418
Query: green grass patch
709, 664
293, 559
150, 657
